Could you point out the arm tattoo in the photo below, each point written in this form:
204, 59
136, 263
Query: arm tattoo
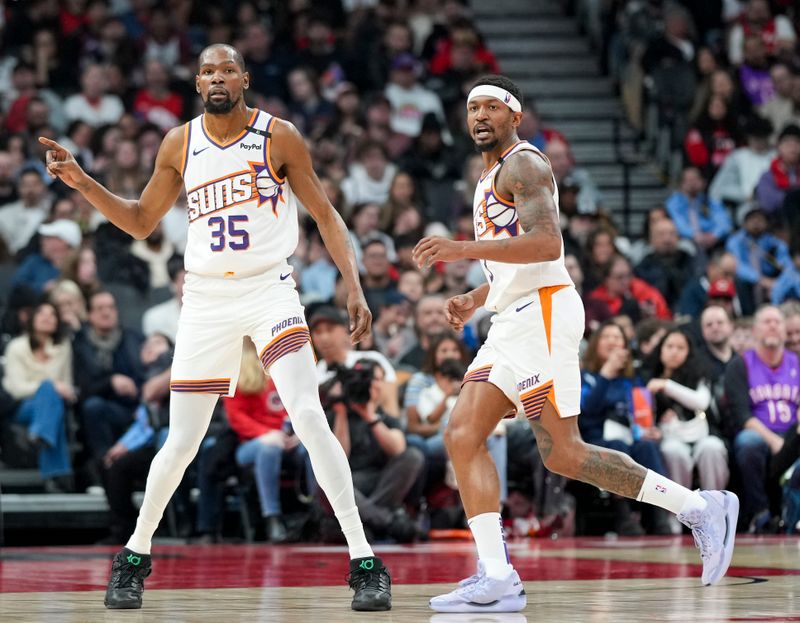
612, 471
528, 179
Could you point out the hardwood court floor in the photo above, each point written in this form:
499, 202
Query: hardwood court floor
583, 579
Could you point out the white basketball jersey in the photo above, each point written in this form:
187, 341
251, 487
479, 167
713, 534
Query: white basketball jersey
242, 215
495, 218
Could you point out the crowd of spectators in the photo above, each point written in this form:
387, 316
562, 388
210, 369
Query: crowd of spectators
90, 316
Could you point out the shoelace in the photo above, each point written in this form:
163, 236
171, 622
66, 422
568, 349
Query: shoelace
377, 579
702, 538
469, 590
473, 578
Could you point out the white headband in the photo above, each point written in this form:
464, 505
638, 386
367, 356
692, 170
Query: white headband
497, 93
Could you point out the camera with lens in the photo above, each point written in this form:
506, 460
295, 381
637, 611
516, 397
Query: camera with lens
349, 385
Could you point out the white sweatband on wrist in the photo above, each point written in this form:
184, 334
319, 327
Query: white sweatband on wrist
499, 93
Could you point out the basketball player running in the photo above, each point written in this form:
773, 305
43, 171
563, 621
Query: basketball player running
530, 360
243, 171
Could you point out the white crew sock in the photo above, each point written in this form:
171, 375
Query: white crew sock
487, 530
661, 491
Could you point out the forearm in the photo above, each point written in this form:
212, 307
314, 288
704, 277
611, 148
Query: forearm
334, 235
391, 440
480, 294
694, 399
124, 213
529, 248
758, 426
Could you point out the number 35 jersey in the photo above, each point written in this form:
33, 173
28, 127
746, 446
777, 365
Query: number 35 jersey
242, 215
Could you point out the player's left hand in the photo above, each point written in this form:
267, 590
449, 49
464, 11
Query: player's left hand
437, 249
360, 316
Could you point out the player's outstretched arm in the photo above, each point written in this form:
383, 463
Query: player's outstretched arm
527, 178
295, 162
136, 217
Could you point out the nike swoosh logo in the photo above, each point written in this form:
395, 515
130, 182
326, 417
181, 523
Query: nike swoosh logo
524, 306
286, 276
199, 151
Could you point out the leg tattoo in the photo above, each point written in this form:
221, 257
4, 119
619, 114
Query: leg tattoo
612, 471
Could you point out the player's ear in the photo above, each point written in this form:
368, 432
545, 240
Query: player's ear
197, 83
246, 79
516, 119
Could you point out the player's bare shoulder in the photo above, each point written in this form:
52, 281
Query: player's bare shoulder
525, 172
171, 153
288, 145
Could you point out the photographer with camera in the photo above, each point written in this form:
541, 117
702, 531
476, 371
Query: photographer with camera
384, 467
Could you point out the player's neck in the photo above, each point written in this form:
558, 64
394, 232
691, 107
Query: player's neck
493, 155
223, 128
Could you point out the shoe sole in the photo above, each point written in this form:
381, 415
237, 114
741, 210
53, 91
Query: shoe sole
368, 608
731, 507
504, 604
123, 606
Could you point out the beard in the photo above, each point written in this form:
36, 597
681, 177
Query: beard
486, 146
220, 108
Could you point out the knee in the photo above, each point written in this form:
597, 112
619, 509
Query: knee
564, 459
308, 421
94, 407
461, 438
413, 459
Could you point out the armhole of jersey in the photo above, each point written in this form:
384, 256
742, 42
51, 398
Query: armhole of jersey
267, 157
187, 139
502, 160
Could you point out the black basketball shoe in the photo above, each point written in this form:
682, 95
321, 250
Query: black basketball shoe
372, 583
126, 585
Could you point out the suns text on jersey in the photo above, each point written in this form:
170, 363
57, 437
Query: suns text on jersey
219, 194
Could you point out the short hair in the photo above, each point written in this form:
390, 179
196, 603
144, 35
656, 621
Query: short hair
237, 56
496, 80
90, 299
790, 308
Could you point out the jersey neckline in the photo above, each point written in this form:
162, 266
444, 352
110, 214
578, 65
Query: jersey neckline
233, 141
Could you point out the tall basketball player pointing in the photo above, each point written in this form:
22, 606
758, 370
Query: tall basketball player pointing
242, 169
529, 361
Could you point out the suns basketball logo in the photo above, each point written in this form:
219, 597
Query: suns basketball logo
496, 217
268, 190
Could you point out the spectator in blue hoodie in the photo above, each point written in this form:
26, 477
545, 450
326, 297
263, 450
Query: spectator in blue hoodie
699, 218
760, 256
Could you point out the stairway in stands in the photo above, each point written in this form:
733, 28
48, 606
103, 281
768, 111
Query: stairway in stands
540, 48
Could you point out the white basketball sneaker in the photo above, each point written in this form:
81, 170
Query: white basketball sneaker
480, 593
714, 530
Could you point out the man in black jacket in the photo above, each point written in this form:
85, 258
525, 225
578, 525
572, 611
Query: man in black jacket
108, 372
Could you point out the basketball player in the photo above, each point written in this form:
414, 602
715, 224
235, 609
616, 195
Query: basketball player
530, 360
243, 170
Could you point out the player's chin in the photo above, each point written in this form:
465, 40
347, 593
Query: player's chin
485, 145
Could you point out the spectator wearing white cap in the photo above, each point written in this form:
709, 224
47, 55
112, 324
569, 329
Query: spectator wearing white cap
41, 270
20, 219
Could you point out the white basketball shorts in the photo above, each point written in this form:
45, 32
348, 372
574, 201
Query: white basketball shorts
531, 352
216, 315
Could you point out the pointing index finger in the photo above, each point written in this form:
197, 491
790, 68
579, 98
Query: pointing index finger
50, 143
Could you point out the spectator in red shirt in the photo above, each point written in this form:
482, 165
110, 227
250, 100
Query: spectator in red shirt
463, 33
712, 138
625, 294
155, 102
